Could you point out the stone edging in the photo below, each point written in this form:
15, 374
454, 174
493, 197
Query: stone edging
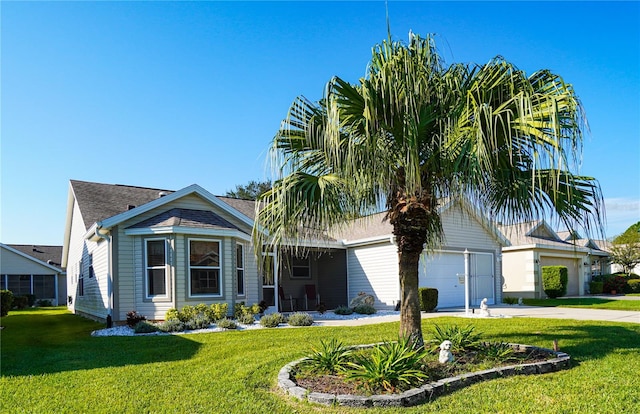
427, 392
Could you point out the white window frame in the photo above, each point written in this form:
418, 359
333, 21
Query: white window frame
219, 267
241, 269
165, 267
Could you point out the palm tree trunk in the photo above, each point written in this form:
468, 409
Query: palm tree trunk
410, 320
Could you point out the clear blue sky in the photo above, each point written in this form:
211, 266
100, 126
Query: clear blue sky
167, 94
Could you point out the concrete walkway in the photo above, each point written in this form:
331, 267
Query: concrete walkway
501, 311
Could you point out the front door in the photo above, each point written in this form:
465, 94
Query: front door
269, 275
481, 278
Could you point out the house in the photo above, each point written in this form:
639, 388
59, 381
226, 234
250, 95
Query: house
535, 245
372, 259
134, 248
33, 270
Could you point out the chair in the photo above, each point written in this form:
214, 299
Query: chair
310, 294
283, 299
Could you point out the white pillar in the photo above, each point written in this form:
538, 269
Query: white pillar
466, 281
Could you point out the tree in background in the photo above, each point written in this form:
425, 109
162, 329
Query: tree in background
415, 131
251, 191
626, 249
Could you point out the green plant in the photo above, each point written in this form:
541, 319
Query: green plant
172, 314
554, 281
6, 302
595, 287
43, 303
172, 325
428, 299
247, 319
226, 323
300, 319
20, 302
187, 313
272, 320
634, 285
364, 309
509, 300
134, 317
31, 299
343, 310
198, 322
391, 366
328, 358
217, 311
462, 338
321, 308
496, 351
145, 327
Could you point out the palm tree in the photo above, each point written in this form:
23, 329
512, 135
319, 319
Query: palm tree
414, 132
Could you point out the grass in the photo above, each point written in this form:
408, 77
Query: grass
593, 303
50, 363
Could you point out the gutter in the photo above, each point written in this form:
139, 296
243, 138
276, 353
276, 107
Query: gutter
98, 227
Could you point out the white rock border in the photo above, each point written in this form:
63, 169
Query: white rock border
427, 392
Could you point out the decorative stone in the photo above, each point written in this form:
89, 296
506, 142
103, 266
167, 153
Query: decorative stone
484, 308
446, 356
362, 299
386, 400
413, 396
353, 401
321, 398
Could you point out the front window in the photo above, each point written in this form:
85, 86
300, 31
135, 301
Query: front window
19, 285
156, 266
240, 268
300, 268
204, 267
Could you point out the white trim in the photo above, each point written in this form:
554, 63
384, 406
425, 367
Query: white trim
110, 222
244, 274
167, 294
150, 231
219, 267
368, 240
572, 248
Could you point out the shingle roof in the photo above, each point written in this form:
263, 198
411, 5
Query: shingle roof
51, 255
533, 232
246, 207
100, 201
186, 218
364, 228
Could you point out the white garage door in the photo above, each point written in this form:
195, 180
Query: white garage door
572, 271
445, 272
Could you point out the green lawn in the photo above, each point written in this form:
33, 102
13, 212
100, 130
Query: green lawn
593, 303
51, 364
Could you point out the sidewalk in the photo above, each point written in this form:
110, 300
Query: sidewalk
497, 311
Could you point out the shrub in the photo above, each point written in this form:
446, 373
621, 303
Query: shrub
171, 325
462, 338
496, 352
554, 281
392, 366
187, 313
217, 311
247, 319
172, 315
44, 303
330, 357
6, 302
615, 283
343, 310
20, 302
300, 319
226, 323
428, 299
321, 308
134, 317
364, 309
509, 300
198, 322
144, 327
31, 300
634, 285
595, 287
272, 320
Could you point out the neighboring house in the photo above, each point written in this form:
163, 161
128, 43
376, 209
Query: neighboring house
372, 259
615, 268
534, 245
132, 248
33, 270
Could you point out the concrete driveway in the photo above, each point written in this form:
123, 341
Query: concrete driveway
505, 311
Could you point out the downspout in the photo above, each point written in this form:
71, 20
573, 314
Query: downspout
109, 282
